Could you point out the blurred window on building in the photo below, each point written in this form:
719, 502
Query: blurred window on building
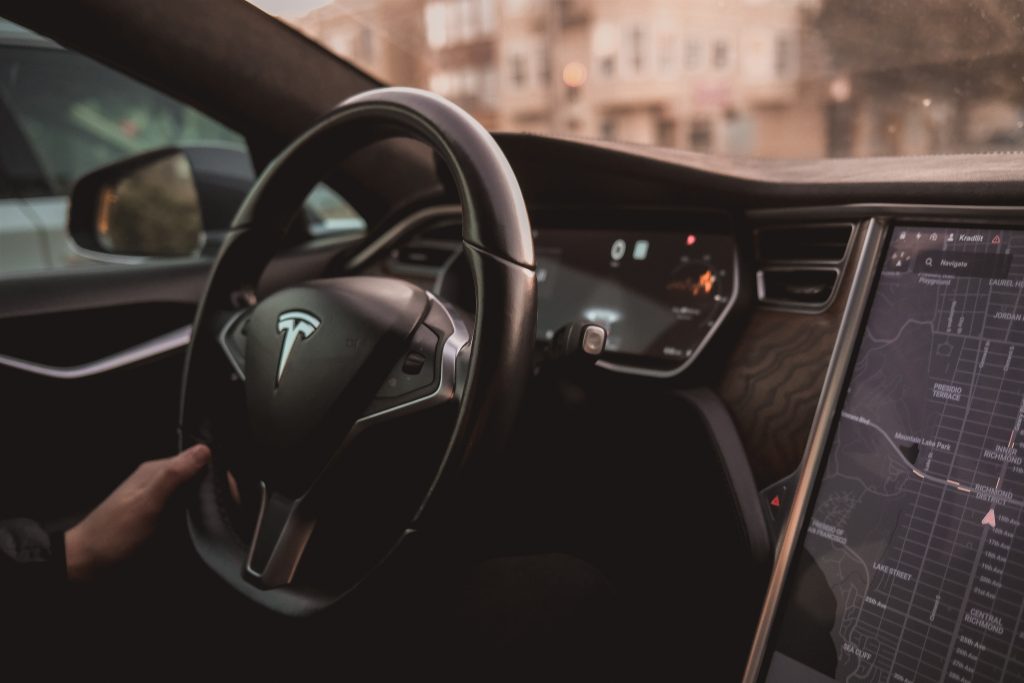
544, 71
700, 135
489, 87
517, 64
608, 65
608, 128
667, 58
455, 22
513, 8
692, 54
785, 60
739, 133
604, 44
666, 132
488, 17
436, 25
637, 47
364, 44
720, 54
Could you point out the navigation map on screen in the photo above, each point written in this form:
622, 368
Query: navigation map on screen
911, 564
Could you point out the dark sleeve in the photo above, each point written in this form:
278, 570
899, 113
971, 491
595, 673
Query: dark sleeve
32, 565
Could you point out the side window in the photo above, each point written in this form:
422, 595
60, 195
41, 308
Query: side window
328, 213
63, 115
77, 114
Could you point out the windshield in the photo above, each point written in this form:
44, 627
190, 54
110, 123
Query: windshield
751, 78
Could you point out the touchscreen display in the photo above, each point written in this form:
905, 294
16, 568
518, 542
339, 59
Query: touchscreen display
911, 563
657, 294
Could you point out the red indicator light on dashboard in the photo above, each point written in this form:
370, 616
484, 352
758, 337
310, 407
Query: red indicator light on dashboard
691, 240
996, 240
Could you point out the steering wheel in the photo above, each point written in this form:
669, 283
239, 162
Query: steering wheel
342, 408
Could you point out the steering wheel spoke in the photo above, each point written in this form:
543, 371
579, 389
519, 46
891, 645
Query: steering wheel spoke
282, 530
427, 374
232, 340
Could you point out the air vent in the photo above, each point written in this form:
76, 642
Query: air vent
805, 243
799, 266
797, 286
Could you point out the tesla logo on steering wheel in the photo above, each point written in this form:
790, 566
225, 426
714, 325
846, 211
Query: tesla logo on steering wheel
295, 325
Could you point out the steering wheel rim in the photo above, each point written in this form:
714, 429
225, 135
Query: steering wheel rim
499, 247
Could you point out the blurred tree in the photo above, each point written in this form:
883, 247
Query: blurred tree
902, 53
873, 35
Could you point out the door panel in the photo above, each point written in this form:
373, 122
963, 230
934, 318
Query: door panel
102, 286
70, 439
69, 442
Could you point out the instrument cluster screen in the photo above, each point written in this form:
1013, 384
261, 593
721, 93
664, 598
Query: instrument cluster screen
658, 295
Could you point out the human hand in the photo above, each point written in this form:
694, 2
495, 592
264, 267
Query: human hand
121, 523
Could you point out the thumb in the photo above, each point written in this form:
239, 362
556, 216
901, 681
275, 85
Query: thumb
180, 468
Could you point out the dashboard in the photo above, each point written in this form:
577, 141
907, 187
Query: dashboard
748, 305
905, 563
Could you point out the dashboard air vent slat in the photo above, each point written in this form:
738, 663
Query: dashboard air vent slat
796, 285
820, 243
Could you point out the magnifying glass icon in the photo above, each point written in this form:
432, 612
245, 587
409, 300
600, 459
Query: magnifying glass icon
928, 262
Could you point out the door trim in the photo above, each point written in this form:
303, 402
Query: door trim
165, 343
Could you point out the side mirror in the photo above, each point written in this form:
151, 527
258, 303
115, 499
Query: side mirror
159, 204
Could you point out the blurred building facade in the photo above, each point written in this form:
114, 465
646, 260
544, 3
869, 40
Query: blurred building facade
732, 77
706, 75
700, 74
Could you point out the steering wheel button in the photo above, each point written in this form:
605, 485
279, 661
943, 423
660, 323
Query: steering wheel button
414, 372
413, 363
594, 338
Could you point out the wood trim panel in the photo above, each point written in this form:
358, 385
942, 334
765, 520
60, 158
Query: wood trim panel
774, 378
